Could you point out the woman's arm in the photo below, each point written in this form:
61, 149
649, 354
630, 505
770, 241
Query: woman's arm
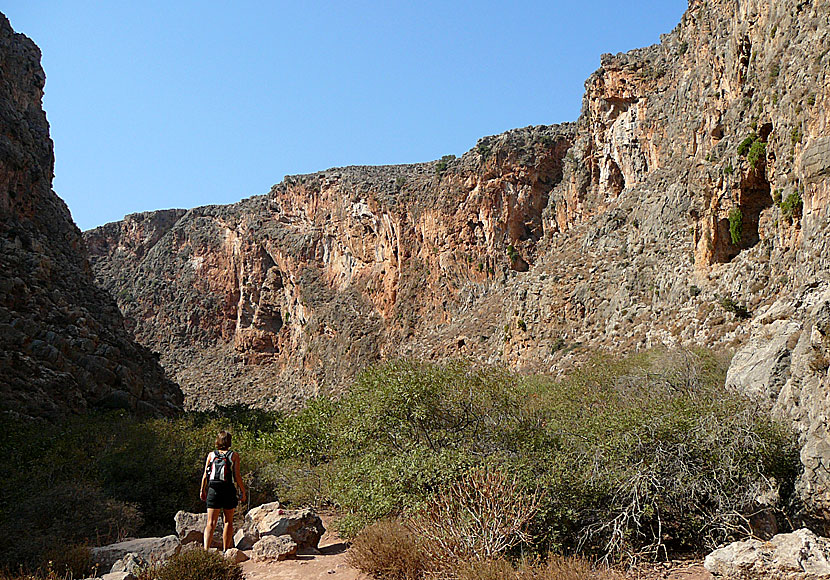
203, 492
237, 475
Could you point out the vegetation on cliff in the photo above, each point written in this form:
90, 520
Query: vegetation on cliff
638, 457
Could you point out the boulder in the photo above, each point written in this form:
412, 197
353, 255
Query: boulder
245, 538
148, 549
190, 527
304, 526
794, 556
132, 563
274, 548
236, 556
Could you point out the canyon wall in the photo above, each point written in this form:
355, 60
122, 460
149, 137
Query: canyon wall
688, 205
63, 345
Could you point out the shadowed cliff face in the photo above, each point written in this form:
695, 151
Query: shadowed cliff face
691, 194
63, 347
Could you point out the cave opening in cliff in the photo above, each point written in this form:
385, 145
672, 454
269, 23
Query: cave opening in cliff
753, 198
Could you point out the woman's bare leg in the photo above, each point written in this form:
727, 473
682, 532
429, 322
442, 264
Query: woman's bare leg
227, 533
210, 526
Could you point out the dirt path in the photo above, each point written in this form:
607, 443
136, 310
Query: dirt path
329, 564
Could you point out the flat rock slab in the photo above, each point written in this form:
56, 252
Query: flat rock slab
795, 556
147, 549
274, 549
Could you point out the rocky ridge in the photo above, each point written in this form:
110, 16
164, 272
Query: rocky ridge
686, 206
63, 345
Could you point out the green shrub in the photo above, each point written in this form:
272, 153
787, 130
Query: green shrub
195, 565
728, 169
744, 146
736, 218
657, 428
736, 308
791, 206
757, 154
442, 164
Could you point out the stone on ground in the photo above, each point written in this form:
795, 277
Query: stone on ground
132, 563
274, 548
794, 556
236, 556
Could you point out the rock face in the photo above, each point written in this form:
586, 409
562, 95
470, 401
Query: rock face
796, 556
63, 345
688, 205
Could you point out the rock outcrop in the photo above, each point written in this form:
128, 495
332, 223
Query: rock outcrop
690, 196
796, 556
63, 344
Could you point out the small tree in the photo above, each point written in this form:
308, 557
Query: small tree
736, 218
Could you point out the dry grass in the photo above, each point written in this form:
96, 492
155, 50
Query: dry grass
194, 565
389, 550
556, 568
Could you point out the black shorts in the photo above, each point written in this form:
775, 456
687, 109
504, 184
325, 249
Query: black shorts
221, 496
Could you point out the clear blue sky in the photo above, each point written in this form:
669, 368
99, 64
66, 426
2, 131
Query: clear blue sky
157, 104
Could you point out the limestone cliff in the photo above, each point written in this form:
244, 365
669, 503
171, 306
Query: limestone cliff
688, 198
279, 297
63, 346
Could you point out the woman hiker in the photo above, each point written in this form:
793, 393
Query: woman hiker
221, 470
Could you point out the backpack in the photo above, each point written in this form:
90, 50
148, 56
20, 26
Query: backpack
221, 467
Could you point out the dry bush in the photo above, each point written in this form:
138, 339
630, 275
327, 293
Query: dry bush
480, 517
387, 549
498, 569
71, 561
561, 568
195, 565
556, 568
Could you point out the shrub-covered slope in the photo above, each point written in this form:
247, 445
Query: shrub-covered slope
639, 456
